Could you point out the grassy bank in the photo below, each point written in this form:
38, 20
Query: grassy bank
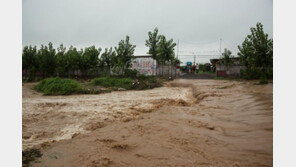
58, 86
138, 83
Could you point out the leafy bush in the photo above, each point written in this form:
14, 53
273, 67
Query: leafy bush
114, 82
58, 86
250, 73
257, 73
130, 73
146, 82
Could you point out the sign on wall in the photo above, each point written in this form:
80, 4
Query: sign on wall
144, 65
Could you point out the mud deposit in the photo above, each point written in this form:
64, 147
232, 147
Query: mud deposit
186, 123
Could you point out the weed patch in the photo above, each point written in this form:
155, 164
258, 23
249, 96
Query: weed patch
113, 82
58, 86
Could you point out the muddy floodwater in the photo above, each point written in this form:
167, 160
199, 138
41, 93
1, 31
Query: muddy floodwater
184, 123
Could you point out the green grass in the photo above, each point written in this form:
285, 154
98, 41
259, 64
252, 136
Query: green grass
114, 82
141, 82
58, 86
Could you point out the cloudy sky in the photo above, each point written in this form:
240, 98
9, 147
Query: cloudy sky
197, 24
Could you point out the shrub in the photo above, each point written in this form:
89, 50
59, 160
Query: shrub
263, 80
30, 155
114, 82
130, 73
250, 73
146, 82
58, 86
257, 73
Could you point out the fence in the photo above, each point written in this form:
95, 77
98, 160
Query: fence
159, 70
167, 70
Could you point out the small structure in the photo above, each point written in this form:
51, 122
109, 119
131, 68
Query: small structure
144, 64
232, 70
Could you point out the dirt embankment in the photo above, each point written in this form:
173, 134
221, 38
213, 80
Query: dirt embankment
186, 123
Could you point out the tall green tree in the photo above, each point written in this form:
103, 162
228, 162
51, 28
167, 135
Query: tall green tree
152, 43
125, 53
227, 58
256, 52
46, 60
90, 58
74, 59
29, 60
61, 61
108, 58
28, 57
165, 50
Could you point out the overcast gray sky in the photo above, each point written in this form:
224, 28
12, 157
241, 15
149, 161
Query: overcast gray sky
197, 24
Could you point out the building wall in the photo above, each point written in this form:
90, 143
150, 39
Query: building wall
167, 70
144, 65
148, 66
223, 71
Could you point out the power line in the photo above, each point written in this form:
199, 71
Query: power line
229, 45
202, 43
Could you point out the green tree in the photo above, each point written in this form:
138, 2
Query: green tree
46, 60
165, 50
90, 59
256, 52
108, 59
61, 61
125, 54
152, 43
227, 58
74, 59
29, 61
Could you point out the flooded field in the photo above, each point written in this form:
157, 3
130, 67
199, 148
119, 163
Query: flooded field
185, 123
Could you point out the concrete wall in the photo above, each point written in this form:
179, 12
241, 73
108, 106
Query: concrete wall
144, 65
223, 71
167, 70
148, 66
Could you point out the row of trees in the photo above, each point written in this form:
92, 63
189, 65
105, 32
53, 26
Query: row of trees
256, 53
48, 61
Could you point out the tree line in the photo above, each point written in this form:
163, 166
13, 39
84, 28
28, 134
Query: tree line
256, 53
48, 61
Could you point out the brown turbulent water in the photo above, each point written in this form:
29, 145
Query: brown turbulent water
185, 123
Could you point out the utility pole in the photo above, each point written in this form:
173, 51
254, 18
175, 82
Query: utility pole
194, 59
220, 47
178, 50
